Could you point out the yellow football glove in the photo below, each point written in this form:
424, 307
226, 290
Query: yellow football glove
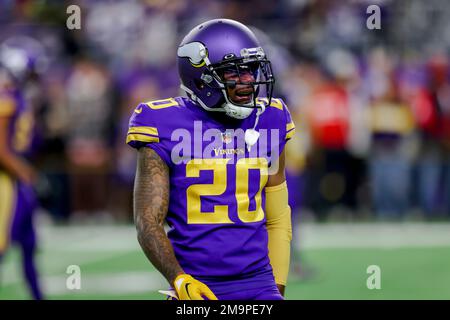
188, 288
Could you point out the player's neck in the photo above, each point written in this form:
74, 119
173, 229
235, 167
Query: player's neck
224, 119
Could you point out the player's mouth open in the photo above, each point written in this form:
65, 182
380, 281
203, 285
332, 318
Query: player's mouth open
243, 95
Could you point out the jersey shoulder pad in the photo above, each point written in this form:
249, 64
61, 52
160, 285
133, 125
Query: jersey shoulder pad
277, 109
275, 103
150, 121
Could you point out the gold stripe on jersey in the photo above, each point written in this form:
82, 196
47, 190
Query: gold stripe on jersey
141, 138
290, 126
275, 103
145, 130
290, 134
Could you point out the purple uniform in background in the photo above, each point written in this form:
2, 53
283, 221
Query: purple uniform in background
18, 200
217, 197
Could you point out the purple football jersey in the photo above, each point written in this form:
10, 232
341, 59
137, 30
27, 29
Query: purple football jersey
18, 200
21, 124
216, 204
17, 197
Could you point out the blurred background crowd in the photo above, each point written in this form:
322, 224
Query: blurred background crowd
372, 107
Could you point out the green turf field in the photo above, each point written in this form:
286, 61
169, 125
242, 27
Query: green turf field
414, 262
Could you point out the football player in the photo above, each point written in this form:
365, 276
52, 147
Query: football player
17, 176
211, 164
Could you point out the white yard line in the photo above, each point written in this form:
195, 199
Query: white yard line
104, 283
402, 235
107, 284
11, 270
89, 238
310, 236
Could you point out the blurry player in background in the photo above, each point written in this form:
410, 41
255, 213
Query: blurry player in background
227, 206
17, 176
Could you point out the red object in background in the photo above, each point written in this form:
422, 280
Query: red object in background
329, 117
427, 116
425, 112
436, 99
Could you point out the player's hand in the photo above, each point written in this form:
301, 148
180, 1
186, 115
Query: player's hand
188, 288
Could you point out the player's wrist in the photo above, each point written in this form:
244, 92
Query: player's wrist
174, 274
180, 279
281, 288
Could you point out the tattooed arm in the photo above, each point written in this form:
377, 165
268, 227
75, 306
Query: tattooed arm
151, 202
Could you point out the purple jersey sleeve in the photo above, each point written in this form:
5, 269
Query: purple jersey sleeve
21, 129
290, 126
287, 126
146, 129
277, 116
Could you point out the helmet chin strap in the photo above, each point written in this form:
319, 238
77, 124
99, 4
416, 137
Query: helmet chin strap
251, 135
234, 110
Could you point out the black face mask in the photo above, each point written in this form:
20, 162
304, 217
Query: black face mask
260, 69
